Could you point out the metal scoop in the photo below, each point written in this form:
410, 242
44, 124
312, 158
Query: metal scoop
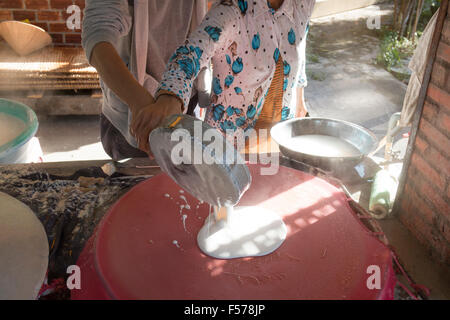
200, 160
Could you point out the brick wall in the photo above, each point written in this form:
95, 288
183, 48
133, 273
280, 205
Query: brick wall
425, 202
50, 15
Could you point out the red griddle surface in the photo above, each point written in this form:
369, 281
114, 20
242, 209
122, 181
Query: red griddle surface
325, 256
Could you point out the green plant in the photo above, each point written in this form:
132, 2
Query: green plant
394, 48
398, 42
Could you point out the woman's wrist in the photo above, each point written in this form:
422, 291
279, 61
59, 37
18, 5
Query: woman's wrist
139, 97
169, 98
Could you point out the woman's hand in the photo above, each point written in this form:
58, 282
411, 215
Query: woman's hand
149, 117
301, 105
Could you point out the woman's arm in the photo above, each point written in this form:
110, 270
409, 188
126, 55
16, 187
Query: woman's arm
175, 89
302, 82
118, 78
104, 23
301, 105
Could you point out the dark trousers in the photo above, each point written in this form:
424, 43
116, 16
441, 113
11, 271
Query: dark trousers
115, 144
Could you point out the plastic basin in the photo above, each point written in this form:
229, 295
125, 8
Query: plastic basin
15, 151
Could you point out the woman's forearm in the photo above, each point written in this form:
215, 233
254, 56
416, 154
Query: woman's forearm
117, 77
301, 106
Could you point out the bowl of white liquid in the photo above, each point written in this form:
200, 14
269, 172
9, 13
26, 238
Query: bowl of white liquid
18, 124
328, 144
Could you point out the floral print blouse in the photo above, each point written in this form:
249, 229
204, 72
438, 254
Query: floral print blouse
244, 40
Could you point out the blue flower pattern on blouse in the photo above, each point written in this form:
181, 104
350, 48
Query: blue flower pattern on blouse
286, 68
188, 66
197, 50
218, 112
285, 112
230, 111
291, 36
285, 84
237, 66
256, 42
235, 59
243, 6
276, 55
240, 121
216, 86
214, 32
229, 81
227, 125
251, 111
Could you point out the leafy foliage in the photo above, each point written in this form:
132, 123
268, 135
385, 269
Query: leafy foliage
393, 49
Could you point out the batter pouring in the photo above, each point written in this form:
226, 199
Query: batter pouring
237, 232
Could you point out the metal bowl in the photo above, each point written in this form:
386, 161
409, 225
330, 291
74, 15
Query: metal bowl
361, 138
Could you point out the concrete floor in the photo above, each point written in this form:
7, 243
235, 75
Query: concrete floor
344, 83
70, 138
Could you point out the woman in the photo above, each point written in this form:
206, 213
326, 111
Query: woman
129, 42
257, 49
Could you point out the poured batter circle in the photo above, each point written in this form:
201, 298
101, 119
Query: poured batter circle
325, 255
248, 231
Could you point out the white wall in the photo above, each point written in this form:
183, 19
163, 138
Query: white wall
328, 7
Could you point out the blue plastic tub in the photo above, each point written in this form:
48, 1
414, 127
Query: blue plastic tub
16, 150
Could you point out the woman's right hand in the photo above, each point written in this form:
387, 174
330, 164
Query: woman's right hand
149, 117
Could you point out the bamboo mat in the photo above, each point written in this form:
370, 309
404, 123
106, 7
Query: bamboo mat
51, 68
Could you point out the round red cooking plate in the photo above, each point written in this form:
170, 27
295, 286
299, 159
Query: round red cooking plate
143, 250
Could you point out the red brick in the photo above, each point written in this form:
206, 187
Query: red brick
421, 230
444, 228
43, 25
446, 31
443, 123
420, 145
417, 205
24, 14
58, 27
439, 96
36, 4
72, 38
49, 15
80, 3
433, 197
444, 52
435, 158
429, 235
57, 37
5, 15
428, 172
440, 75
430, 112
434, 136
11, 4
60, 4
439, 161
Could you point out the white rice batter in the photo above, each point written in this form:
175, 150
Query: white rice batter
246, 232
10, 128
322, 146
